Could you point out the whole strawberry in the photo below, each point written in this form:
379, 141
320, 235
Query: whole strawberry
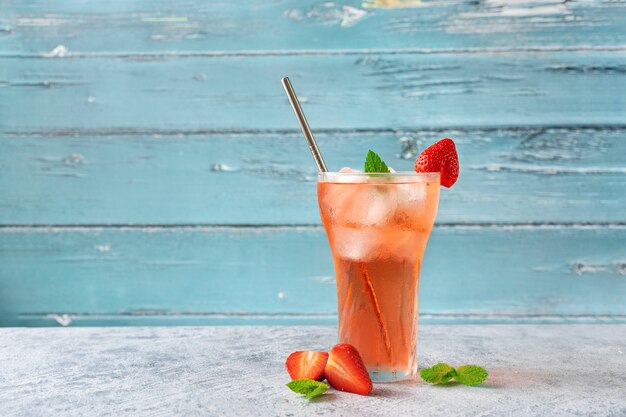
440, 157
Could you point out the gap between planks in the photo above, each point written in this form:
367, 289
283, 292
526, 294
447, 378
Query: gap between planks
208, 227
297, 133
316, 52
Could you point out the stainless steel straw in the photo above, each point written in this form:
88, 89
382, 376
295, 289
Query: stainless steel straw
306, 130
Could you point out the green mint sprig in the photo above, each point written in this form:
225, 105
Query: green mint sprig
308, 387
442, 373
374, 163
471, 375
438, 374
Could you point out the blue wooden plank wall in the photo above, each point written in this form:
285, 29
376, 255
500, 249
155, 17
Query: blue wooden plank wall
151, 171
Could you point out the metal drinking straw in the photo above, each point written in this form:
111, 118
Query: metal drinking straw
306, 130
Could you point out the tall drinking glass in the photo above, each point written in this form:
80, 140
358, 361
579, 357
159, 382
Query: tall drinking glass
377, 226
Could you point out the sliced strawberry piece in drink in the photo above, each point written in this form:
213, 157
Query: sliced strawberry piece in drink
345, 370
307, 365
440, 157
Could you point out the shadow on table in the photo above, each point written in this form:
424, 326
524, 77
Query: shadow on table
498, 379
326, 398
511, 378
402, 389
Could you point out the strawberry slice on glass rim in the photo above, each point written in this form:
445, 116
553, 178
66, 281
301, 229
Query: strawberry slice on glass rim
440, 157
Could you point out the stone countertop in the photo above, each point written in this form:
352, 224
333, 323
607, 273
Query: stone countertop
535, 370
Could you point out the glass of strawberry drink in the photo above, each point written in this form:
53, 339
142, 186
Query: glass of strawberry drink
378, 223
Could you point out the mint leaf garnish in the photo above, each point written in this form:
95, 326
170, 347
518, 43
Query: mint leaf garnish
471, 375
308, 387
374, 163
438, 374
442, 373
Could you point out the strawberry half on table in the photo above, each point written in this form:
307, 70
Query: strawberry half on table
307, 365
345, 370
440, 157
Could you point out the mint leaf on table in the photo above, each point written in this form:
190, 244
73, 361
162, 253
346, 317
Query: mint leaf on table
308, 387
442, 373
374, 163
438, 374
471, 375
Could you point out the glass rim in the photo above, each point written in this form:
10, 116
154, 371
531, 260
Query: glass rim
410, 176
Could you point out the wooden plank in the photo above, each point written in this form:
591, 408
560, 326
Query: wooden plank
240, 371
510, 175
111, 27
339, 92
110, 275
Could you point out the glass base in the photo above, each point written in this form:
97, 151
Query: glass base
396, 376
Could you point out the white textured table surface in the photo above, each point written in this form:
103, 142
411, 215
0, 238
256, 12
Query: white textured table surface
542, 370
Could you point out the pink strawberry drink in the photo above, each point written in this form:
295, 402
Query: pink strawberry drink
378, 225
